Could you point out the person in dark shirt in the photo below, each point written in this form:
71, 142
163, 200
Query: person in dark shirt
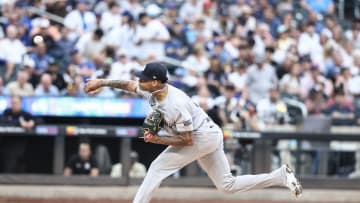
12, 149
82, 163
15, 116
340, 108
56, 77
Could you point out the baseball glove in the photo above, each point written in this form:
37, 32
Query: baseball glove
153, 122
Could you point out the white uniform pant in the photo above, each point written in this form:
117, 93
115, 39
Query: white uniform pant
208, 151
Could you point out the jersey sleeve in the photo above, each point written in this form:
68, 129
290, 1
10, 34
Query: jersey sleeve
184, 121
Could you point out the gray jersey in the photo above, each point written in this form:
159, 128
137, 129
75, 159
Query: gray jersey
180, 112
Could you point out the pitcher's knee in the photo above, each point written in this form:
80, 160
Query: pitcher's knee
227, 185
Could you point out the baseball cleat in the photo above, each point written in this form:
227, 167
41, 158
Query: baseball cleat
292, 182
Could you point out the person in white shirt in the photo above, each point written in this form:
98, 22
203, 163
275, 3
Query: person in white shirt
354, 85
271, 110
111, 19
239, 76
12, 50
46, 88
151, 36
91, 44
193, 136
20, 87
197, 62
309, 43
190, 10
290, 82
132, 6
121, 69
80, 20
354, 35
123, 36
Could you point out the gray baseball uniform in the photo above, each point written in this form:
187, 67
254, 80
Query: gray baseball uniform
181, 114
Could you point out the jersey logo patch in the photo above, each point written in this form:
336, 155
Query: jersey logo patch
187, 123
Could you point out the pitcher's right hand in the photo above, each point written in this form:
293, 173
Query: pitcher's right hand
93, 86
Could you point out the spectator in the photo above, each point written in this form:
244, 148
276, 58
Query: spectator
227, 103
41, 58
271, 110
260, 78
74, 88
12, 51
91, 44
104, 73
340, 108
215, 75
80, 20
48, 34
80, 65
354, 85
342, 81
219, 51
151, 37
122, 36
170, 13
284, 39
197, 63
123, 67
101, 7
46, 88
285, 66
110, 18
316, 103
13, 151
203, 98
238, 77
20, 87
309, 43
189, 10
313, 77
290, 82
247, 19
57, 8
15, 116
66, 45
201, 34
57, 78
137, 169
133, 6
29, 68
177, 47
354, 34
272, 20
82, 163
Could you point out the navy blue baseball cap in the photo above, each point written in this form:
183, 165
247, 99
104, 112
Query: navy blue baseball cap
153, 71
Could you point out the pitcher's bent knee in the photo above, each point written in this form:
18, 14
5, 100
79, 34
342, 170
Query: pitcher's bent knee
227, 185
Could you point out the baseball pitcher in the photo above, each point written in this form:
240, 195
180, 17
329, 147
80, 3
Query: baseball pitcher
194, 136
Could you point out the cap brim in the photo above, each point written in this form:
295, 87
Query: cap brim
141, 75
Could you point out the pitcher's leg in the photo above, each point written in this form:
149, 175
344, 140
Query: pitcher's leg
217, 167
167, 163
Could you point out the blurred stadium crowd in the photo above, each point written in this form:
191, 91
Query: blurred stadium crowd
247, 62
